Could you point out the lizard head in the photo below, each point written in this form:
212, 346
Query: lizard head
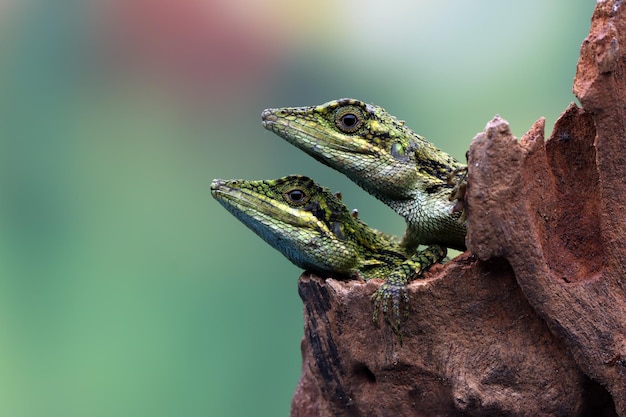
366, 143
304, 221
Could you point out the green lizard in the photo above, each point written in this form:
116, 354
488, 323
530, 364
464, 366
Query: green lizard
312, 228
387, 159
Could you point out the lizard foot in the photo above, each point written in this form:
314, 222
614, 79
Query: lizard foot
389, 299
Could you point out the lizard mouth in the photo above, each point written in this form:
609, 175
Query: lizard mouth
269, 119
215, 186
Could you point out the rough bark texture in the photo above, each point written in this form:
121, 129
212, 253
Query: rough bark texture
534, 322
556, 210
473, 344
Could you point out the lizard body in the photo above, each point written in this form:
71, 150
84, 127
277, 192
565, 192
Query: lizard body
386, 158
312, 228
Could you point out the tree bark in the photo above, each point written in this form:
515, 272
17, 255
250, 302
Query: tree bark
558, 208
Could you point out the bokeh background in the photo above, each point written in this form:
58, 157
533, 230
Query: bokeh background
125, 289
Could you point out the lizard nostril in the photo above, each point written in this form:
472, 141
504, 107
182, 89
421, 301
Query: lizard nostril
271, 115
216, 183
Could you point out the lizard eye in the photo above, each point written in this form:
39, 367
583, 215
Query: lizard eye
349, 119
296, 196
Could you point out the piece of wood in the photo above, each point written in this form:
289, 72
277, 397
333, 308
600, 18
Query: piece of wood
556, 210
472, 345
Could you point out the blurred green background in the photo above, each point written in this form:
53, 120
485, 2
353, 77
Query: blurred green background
125, 289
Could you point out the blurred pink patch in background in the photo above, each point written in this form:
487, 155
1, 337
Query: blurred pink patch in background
200, 49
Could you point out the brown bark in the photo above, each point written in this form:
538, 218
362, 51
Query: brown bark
472, 344
534, 322
556, 210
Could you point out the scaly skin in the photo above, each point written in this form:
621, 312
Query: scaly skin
312, 228
386, 158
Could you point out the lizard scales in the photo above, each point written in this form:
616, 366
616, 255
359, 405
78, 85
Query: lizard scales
383, 156
312, 228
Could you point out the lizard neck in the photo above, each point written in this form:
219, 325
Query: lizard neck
426, 215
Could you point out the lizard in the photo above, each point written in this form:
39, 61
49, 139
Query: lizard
315, 230
387, 159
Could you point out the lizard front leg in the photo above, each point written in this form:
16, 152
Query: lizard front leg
393, 292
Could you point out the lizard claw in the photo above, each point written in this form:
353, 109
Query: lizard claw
394, 296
